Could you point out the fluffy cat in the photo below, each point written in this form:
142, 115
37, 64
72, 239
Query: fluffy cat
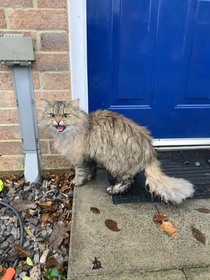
121, 146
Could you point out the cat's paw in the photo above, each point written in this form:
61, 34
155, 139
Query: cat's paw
110, 190
91, 177
118, 188
78, 181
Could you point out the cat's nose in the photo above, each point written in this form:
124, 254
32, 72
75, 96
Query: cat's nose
58, 121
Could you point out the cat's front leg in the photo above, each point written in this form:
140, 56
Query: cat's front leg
81, 174
84, 172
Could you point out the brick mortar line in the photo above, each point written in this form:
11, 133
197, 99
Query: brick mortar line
48, 147
36, 72
7, 18
38, 42
34, 30
32, 8
9, 124
3, 156
51, 52
36, 90
49, 90
12, 108
35, 4
53, 72
10, 140
9, 108
41, 80
6, 71
19, 140
52, 31
43, 154
9, 90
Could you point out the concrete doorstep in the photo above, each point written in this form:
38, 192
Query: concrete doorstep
139, 250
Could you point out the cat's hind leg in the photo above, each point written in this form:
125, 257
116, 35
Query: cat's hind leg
92, 170
120, 186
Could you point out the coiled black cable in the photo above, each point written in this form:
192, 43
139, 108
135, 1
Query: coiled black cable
4, 202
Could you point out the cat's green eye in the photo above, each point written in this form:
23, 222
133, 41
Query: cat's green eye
52, 115
65, 115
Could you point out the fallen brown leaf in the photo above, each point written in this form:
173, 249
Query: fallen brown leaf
21, 205
198, 235
203, 210
68, 205
44, 204
23, 253
46, 218
52, 208
58, 234
169, 228
64, 188
2, 270
96, 264
95, 210
60, 178
159, 217
51, 263
112, 225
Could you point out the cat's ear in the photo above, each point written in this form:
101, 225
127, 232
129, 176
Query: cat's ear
75, 104
45, 103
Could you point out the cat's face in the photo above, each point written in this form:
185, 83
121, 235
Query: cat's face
60, 116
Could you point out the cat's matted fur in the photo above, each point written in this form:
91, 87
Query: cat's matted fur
110, 139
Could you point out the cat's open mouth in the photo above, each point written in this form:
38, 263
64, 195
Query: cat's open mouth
60, 128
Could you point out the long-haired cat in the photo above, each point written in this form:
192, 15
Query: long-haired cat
121, 146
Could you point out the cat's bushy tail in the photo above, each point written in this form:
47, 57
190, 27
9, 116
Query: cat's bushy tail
168, 188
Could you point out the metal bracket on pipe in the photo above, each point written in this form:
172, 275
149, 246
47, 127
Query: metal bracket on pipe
17, 51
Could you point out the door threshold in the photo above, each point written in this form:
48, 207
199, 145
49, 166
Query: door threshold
181, 143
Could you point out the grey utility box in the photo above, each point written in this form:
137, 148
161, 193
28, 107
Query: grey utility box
16, 49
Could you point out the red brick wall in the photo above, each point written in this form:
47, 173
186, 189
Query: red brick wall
47, 23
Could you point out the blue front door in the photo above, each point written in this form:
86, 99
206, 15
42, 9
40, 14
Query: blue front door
150, 60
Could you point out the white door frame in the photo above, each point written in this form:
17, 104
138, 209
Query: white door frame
77, 21
78, 51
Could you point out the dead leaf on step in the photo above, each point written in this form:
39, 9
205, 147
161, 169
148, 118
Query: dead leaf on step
203, 210
159, 217
95, 210
112, 225
21, 205
169, 228
96, 264
198, 235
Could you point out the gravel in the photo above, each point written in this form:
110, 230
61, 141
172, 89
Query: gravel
37, 231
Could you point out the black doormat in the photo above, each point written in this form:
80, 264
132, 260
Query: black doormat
192, 165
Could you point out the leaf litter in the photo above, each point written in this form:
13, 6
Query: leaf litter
53, 209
